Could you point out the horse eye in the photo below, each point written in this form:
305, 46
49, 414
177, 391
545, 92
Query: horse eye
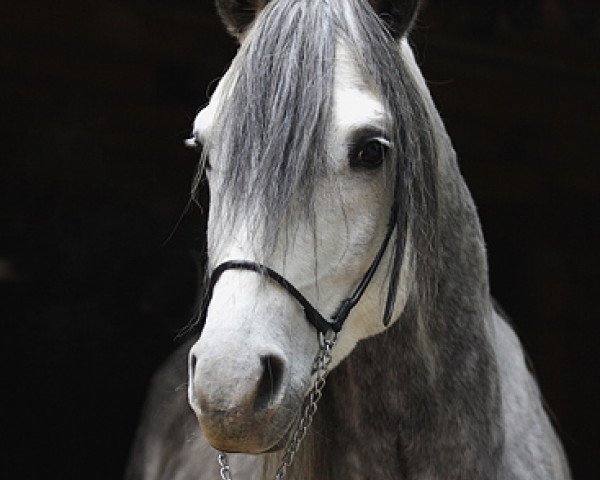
370, 155
196, 144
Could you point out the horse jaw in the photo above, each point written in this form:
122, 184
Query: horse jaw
250, 319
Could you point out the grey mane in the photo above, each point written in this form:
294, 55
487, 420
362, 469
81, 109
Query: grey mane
272, 163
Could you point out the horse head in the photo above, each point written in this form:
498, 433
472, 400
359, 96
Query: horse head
310, 150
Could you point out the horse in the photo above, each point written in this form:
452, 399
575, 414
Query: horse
343, 247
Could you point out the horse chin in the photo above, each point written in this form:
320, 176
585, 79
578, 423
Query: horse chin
248, 446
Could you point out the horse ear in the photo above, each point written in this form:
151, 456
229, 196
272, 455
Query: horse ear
237, 15
398, 15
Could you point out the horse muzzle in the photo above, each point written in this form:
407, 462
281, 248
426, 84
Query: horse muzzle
243, 403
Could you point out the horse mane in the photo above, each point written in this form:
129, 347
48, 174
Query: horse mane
273, 129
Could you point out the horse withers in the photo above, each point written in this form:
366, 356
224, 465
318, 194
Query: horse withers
335, 192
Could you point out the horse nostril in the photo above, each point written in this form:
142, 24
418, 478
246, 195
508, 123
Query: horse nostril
193, 361
270, 381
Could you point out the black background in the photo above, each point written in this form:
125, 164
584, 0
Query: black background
99, 264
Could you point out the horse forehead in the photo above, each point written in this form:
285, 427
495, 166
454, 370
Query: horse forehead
355, 102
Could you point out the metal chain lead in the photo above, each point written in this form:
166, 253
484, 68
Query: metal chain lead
224, 464
321, 367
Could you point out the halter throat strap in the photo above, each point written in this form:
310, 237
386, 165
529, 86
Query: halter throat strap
311, 313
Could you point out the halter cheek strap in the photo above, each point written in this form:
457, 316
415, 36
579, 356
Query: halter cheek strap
311, 313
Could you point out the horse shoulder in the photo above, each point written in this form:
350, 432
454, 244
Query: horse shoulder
532, 448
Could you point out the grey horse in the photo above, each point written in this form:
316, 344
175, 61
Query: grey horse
323, 150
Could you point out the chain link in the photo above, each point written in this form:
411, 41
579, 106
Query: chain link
309, 409
225, 470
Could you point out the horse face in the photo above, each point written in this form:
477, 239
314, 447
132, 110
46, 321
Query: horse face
252, 365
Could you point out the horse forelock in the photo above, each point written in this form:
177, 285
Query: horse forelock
273, 129
272, 132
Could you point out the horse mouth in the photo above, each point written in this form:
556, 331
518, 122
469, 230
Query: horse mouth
285, 439
231, 433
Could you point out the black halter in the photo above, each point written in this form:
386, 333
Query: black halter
311, 313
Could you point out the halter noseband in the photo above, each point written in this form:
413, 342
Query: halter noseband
311, 313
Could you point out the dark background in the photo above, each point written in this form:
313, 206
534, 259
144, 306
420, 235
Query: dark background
98, 267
